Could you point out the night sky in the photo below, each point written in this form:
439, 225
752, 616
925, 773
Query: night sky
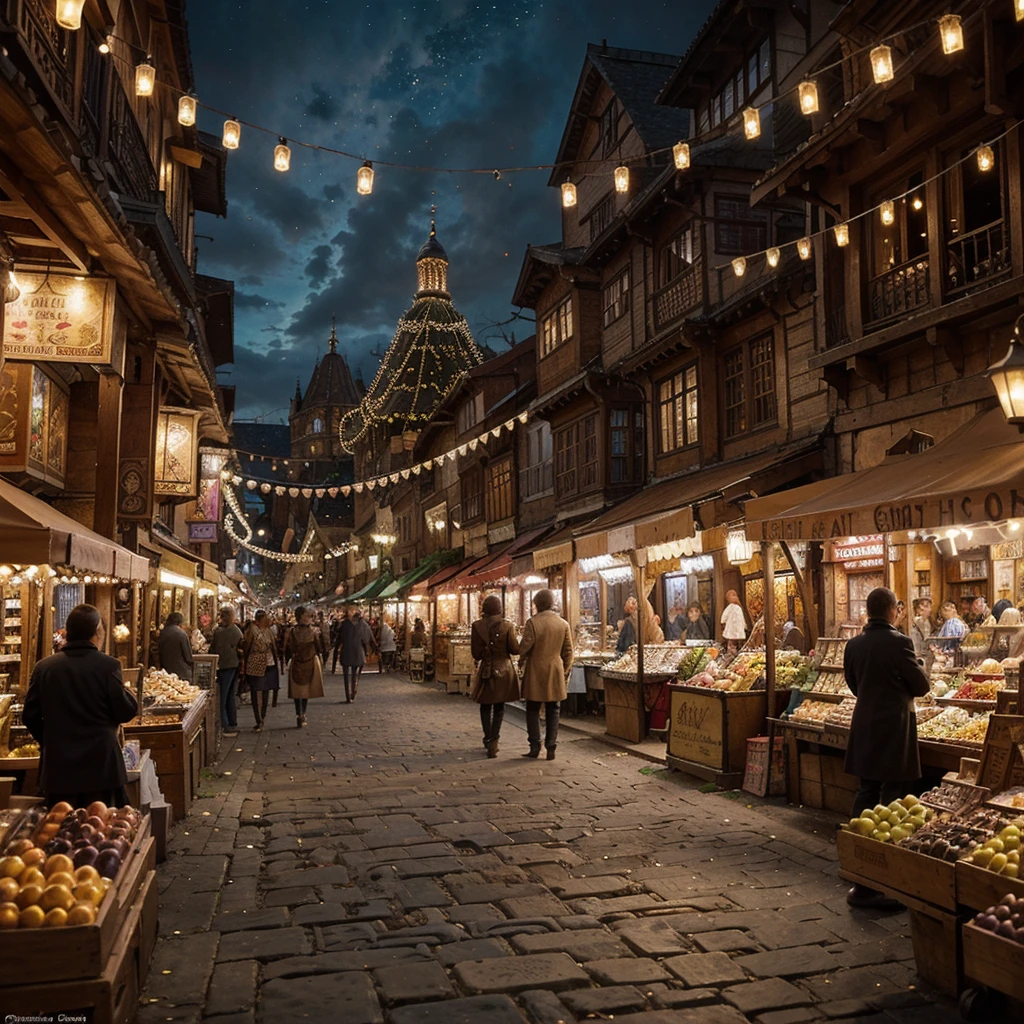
435, 82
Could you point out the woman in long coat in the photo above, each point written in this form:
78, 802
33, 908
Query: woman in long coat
261, 658
304, 651
493, 642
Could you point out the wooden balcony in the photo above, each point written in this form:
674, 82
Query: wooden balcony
680, 296
977, 259
900, 290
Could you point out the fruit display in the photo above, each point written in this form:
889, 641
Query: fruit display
58, 871
791, 669
925, 709
955, 724
695, 661
831, 680
893, 823
950, 839
989, 667
952, 797
840, 716
1001, 853
1005, 919
976, 690
659, 659
813, 711
1012, 797
30, 749
160, 687
975, 641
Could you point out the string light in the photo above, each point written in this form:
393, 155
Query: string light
621, 179
808, 93
568, 194
842, 233
681, 155
1018, 9
364, 179
772, 256
104, 46
986, 154
145, 78
803, 248
69, 14
282, 156
751, 122
952, 33
232, 135
887, 211
187, 111
881, 64
739, 266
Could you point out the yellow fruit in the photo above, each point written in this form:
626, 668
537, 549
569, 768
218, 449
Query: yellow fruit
56, 918
29, 895
86, 873
998, 862
11, 867
8, 889
1011, 871
81, 913
9, 913
996, 844
34, 858
61, 878
58, 862
86, 892
31, 876
31, 917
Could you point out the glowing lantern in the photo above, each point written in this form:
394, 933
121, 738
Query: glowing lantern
681, 155
881, 64
145, 78
69, 14
568, 194
803, 248
1018, 9
772, 256
1007, 377
888, 212
187, 111
282, 156
739, 266
104, 46
364, 179
751, 123
986, 158
232, 135
621, 179
842, 233
952, 33
808, 93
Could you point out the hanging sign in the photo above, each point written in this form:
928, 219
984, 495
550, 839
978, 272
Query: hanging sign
61, 319
860, 553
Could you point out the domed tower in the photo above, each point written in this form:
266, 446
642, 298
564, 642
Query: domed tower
315, 416
431, 350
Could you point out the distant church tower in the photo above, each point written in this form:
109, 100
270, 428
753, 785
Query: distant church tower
315, 416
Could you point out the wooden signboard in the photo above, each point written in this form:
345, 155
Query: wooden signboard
696, 729
1002, 759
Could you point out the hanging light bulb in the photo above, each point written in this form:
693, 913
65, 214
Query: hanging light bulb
187, 111
803, 248
881, 64
888, 212
104, 46
808, 93
986, 156
12, 290
145, 78
621, 179
772, 256
681, 155
751, 123
842, 233
69, 14
739, 266
952, 32
917, 203
364, 179
232, 134
568, 194
282, 156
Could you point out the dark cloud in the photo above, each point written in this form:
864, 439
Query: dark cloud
319, 265
245, 300
323, 106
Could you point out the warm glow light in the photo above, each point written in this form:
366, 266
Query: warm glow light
681, 155
986, 157
145, 79
621, 179
282, 156
952, 33
772, 256
1018, 9
803, 248
364, 179
751, 123
69, 14
887, 212
187, 111
918, 203
739, 266
568, 194
808, 93
842, 232
174, 579
232, 135
881, 64
104, 47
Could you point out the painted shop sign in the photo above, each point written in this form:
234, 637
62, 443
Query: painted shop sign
61, 319
963, 509
695, 729
861, 553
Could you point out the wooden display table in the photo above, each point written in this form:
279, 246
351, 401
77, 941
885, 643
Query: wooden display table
178, 750
708, 731
624, 714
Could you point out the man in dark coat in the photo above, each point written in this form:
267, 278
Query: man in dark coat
75, 702
885, 676
355, 639
176, 648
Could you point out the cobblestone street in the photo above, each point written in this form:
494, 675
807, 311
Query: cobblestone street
376, 866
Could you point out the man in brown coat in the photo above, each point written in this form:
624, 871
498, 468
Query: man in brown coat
545, 660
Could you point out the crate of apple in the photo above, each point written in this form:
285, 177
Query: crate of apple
894, 822
1005, 919
1001, 853
59, 876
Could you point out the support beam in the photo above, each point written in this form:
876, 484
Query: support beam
108, 447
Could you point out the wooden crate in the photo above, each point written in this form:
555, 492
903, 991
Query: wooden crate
993, 961
896, 871
979, 889
624, 709
59, 954
112, 996
935, 936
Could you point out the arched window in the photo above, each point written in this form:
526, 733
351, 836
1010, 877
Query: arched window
318, 425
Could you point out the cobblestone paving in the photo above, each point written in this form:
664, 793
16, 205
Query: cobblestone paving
377, 867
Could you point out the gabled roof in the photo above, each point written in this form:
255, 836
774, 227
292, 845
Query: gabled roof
540, 265
636, 77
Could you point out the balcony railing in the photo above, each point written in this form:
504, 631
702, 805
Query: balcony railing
977, 259
681, 295
836, 330
50, 49
537, 480
899, 290
128, 152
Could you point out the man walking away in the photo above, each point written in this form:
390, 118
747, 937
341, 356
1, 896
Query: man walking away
546, 653
225, 643
885, 676
355, 640
388, 647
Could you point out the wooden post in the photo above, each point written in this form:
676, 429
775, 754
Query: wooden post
640, 572
768, 564
803, 582
603, 610
108, 447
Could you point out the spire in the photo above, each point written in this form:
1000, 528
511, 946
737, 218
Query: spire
432, 265
333, 342
298, 388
